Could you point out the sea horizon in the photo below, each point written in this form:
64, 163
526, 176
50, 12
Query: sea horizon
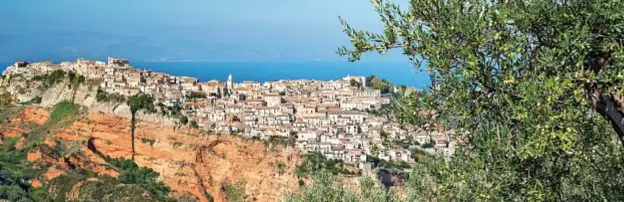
396, 72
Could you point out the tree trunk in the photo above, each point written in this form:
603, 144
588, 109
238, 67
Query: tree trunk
607, 107
132, 126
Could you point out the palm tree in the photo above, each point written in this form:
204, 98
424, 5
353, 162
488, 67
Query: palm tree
138, 102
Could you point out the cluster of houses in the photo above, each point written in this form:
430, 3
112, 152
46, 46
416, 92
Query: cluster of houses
329, 117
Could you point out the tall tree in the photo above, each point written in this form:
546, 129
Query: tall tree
139, 102
533, 88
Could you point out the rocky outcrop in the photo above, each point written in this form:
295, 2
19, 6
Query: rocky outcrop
183, 164
24, 121
188, 160
84, 94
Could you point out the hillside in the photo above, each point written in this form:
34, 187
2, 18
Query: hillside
187, 160
74, 149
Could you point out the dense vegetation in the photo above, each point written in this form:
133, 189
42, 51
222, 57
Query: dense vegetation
14, 172
134, 183
375, 83
184, 120
323, 188
316, 162
393, 165
130, 173
75, 79
103, 96
64, 109
50, 79
532, 88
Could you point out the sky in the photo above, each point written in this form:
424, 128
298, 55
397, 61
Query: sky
184, 30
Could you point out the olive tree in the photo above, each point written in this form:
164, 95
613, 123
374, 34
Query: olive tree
533, 89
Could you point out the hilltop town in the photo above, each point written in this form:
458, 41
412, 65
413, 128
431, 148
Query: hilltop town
335, 118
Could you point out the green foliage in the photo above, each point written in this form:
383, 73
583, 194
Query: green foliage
12, 185
378, 84
53, 78
532, 88
75, 80
177, 144
131, 173
139, 102
15, 170
235, 192
384, 111
194, 124
323, 188
184, 120
63, 110
428, 145
103, 96
395, 165
196, 95
149, 141
103, 188
418, 154
5, 99
314, 162
353, 82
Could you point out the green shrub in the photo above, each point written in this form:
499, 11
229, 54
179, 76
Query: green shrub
184, 120
176, 144
15, 170
194, 124
397, 165
235, 192
64, 109
428, 145
75, 79
103, 96
131, 173
150, 141
54, 77
316, 161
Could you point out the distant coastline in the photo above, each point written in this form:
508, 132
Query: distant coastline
400, 73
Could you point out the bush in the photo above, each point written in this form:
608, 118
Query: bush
75, 79
103, 96
316, 161
235, 192
5, 99
184, 120
194, 124
396, 165
131, 173
54, 77
14, 172
428, 145
150, 141
64, 109
176, 144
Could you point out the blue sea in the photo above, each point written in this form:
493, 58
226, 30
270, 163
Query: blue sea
395, 72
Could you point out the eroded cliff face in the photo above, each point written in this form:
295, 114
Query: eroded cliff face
188, 160
83, 94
